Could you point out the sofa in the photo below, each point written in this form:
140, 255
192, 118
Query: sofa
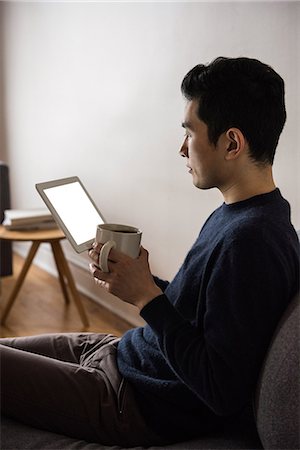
276, 406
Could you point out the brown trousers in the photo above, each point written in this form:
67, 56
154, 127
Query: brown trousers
70, 384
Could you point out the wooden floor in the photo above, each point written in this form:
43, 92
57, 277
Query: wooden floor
40, 308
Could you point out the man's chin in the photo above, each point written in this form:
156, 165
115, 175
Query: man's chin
202, 185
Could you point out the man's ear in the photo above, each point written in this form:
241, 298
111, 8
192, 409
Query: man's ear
235, 143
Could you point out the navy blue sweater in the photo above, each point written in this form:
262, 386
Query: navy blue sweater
198, 358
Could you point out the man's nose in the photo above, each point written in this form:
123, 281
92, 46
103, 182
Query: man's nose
184, 149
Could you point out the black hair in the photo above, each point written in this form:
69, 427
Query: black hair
243, 93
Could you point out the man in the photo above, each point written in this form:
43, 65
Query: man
194, 366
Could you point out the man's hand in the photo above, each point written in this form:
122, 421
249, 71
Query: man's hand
129, 279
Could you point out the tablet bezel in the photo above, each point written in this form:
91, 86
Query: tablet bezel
79, 248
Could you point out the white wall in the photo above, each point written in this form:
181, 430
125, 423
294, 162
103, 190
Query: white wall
93, 89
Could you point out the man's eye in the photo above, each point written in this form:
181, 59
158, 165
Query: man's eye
187, 135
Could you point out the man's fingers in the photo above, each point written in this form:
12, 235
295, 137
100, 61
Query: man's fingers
114, 255
97, 273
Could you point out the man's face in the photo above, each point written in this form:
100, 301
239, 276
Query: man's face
204, 160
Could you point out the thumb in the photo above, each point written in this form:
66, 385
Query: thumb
144, 254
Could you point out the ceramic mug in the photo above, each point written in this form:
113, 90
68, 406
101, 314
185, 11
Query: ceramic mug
124, 238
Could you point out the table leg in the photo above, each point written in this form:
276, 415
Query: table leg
21, 277
64, 268
60, 273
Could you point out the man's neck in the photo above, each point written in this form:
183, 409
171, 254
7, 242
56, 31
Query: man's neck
255, 182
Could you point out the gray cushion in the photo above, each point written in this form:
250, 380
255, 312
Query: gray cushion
278, 391
16, 436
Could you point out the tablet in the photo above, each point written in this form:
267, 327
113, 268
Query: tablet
73, 210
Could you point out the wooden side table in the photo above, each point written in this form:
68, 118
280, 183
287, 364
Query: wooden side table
37, 237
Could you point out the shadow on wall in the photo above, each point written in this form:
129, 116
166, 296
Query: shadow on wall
3, 141
5, 247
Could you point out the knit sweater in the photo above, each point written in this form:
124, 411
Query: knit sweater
198, 358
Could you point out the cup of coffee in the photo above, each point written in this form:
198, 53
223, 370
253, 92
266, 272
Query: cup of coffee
124, 238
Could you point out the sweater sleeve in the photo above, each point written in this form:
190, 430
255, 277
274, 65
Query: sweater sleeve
219, 359
162, 284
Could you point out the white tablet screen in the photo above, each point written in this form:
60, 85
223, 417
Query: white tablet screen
75, 210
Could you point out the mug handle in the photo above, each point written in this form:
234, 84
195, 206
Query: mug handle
103, 255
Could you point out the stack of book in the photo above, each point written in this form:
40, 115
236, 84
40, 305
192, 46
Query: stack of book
28, 219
